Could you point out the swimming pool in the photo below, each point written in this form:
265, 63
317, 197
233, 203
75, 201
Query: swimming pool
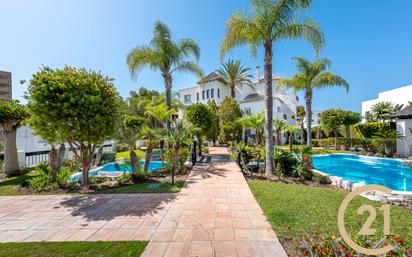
368, 170
114, 170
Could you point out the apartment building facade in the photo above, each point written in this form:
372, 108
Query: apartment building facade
5, 86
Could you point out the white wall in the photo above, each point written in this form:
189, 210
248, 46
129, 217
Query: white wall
404, 146
397, 96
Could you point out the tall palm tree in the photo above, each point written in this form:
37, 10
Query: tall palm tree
256, 122
279, 126
234, 74
180, 131
271, 21
167, 56
312, 76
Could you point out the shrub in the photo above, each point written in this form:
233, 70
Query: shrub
322, 179
40, 183
62, 176
108, 157
122, 147
138, 177
368, 130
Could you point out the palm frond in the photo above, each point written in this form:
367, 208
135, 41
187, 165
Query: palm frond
189, 47
141, 57
191, 67
307, 30
328, 79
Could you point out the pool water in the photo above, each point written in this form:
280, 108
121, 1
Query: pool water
113, 170
368, 170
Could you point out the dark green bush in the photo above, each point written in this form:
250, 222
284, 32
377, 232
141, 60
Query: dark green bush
368, 130
322, 179
108, 157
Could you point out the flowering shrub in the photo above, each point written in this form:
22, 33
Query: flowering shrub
329, 246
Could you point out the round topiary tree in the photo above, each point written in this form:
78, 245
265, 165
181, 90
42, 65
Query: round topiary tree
201, 117
11, 115
79, 105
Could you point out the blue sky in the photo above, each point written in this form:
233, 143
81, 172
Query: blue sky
369, 42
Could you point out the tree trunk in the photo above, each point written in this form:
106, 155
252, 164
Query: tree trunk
11, 163
60, 156
348, 136
290, 142
308, 99
134, 161
388, 148
269, 109
168, 85
336, 139
86, 156
99, 156
176, 161
278, 139
53, 160
232, 91
161, 146
148, 157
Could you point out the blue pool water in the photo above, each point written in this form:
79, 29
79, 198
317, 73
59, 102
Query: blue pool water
369, 170
117, 170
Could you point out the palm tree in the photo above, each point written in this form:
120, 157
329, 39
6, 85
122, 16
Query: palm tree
384, 110
312, 76
234, 74
279, 126
291, 132
181, 130
167, 56
161, 114
151, 135
129, 135
271, 21
388, 136
256, 122
300, 118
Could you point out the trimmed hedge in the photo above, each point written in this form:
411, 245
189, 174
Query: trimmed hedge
368, 130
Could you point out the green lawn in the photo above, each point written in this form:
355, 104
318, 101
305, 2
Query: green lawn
73, 249
126, 155
164, 187
294, 210
9, 185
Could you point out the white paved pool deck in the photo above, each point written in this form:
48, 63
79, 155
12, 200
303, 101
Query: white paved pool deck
215, 214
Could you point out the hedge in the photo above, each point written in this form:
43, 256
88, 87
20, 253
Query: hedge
368, 130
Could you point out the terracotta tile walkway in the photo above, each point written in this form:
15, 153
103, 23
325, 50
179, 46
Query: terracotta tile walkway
214, 215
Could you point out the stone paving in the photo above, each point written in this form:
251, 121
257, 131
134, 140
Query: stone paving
214, 215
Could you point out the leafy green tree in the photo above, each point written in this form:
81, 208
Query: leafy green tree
383, 111
257, 123
229, 115
234, 74
351, 118
151, 135
201, 117
167, 56
331, 121
279, 126
215, 125
81, 105
311, 76
11, 115
270, 22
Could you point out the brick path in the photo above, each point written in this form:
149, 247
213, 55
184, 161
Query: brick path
214, 215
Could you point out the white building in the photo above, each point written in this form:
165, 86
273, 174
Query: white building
400, 95
315, 119
250, 99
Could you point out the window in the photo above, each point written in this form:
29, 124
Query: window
285, 117
248, 111
212, 93
207, 94
187, 98
197, 97
203, 95
318, 121
218, 93
279, 109
293, 117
